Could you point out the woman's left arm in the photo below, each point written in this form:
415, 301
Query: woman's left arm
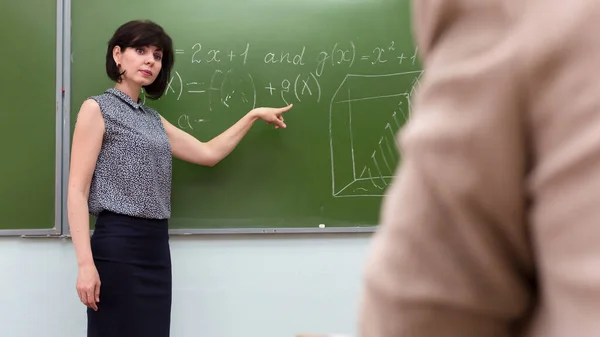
186, 147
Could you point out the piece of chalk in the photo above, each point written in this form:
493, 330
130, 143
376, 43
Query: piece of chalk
321, 226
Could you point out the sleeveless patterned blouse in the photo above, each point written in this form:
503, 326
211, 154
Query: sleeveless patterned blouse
133, 171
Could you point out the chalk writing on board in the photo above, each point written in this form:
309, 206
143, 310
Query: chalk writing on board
302, 85
224, 87
224, 82
203, 55
170, 85
235, 85
363, 163
185, 121
285, 57
239, 86
339, 53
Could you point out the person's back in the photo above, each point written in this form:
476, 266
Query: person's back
492, 225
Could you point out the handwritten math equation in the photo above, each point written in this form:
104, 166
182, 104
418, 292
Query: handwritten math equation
231, 82
338, 54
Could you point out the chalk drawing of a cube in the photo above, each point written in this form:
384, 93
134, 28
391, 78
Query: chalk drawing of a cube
364, 157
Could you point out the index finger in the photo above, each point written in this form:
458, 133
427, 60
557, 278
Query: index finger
284, 109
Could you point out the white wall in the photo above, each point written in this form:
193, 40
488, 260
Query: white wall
234, 286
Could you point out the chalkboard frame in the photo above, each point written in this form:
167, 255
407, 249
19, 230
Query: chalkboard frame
66, 117
57, 227
290, 230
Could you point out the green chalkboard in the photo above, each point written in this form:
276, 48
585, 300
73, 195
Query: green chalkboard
348, 67
28, 96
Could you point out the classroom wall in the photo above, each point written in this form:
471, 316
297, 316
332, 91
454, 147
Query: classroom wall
250, 286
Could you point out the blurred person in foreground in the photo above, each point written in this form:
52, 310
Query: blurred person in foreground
492, 224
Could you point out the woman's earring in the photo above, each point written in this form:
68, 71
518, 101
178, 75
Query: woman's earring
118, 65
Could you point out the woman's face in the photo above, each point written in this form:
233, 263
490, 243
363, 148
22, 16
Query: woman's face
141, 64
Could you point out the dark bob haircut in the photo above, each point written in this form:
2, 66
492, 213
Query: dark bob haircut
142, 33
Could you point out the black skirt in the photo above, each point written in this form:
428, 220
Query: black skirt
133, 258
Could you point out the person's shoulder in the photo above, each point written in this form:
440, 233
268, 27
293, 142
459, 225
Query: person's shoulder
94, 101
99, 97
91, 103
95, 104
89, 111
